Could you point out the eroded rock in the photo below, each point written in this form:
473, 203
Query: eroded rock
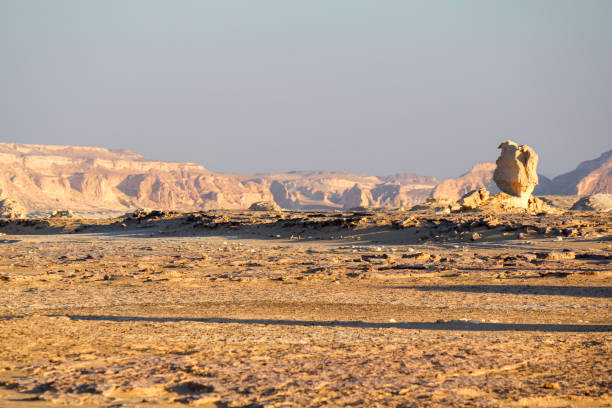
474, 199
10, 208
265, 206
516, 173
594, 202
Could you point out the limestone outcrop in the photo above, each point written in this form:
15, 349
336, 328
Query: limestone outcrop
96, 180
265, 206
594, 202
12, 209
474, 199
516, 173
62, 214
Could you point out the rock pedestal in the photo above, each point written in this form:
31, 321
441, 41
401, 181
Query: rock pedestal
516, 173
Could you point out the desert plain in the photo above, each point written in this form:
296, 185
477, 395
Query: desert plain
238, 308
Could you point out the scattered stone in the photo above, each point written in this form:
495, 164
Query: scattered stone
476, 236
442, 210
62, 214
556, 256
437, 203
417, 256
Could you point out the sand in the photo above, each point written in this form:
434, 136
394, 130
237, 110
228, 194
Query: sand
245, 309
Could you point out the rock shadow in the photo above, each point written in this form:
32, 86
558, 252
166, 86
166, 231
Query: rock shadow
575, 291
359, 324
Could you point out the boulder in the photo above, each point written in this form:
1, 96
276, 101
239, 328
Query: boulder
12, 209
516, 173
265, 206
474, 199
62, 214
594, 202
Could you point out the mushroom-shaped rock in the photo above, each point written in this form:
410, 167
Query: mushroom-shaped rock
515, 173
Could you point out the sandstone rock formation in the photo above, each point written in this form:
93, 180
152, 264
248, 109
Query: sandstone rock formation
317, 190
515, 173
594, 202
12, 209
265, 206
87, 179
92, 180
96, 180
63, 214
439, 205
474, 199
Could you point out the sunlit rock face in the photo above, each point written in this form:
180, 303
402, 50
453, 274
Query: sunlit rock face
516, 171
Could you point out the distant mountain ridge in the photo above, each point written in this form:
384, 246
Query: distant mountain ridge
93, 179
590, 177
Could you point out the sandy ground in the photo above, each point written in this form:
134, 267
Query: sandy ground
389, 309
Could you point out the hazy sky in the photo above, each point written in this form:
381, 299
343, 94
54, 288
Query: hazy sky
375, 86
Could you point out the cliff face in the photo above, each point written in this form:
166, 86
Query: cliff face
590, 177
43, 178
336, 190
92, 179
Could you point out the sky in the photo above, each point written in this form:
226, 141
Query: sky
377, 87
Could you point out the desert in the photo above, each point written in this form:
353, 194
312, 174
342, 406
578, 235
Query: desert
491, 300
287, 204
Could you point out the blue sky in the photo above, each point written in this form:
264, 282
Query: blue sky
361, 86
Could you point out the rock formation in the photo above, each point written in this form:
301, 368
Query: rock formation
93, 180
97, 182
594, 202
474, 199
12, 209
481, 175
265, 206
515, 173
62, 214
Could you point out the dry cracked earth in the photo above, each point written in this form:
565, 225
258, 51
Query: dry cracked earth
249, 309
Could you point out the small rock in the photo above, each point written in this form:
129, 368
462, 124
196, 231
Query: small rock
265, 206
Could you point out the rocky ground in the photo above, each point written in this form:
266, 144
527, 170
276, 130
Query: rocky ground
250, 309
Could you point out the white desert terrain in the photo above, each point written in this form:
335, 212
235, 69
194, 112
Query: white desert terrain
495, 298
